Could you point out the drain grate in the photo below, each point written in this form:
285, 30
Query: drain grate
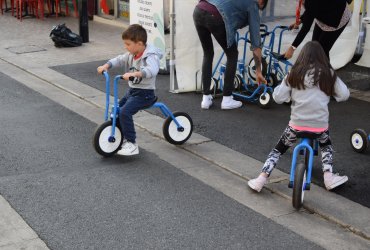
25, 49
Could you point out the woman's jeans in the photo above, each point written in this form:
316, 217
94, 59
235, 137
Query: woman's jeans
133, 101
207, 24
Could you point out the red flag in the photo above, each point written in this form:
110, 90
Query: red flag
298, 12
104, 6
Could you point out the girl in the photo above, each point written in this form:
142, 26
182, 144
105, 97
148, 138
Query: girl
309, 85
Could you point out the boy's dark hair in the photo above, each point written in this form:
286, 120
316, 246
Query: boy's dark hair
313, 58
135, 33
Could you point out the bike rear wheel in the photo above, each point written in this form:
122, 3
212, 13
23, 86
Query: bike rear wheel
172, 133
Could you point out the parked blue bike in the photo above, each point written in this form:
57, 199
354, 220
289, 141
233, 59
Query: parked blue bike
274, 66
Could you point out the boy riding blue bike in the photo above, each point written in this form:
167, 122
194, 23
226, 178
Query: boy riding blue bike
141, 63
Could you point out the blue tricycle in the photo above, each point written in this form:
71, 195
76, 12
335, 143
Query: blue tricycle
107, 139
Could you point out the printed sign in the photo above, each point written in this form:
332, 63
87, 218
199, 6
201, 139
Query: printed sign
149, 13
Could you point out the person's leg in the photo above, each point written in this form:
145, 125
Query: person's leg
201, 18
328, 38
135, 101
120, 104
217, 28
232, 59
317, 31
287, 139
330, 180
326, 152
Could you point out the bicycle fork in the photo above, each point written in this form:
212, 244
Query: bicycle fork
305, 148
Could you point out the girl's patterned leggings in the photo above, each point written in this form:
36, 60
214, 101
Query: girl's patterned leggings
288, 138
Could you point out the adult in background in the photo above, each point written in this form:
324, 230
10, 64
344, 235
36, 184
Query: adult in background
330, 17
222, 19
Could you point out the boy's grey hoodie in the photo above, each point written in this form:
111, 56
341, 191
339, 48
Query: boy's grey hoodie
310, 105
148, 64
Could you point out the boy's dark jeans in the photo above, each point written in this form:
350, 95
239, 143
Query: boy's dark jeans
133, 101
207, 24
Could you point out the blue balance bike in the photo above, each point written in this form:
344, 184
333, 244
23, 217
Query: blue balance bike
359, 140
301, 170
108, 138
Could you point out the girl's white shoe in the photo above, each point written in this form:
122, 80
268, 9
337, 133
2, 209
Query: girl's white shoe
257, 183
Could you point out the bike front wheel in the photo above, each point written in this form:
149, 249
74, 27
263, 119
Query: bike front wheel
299, 185
252, 68
265, 100
102, 141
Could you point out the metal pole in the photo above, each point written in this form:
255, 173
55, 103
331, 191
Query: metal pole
84, 20
173, 88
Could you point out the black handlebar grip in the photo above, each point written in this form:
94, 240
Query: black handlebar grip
131, 78
283, 27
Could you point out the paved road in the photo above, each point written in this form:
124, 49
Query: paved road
74, 199
253, 131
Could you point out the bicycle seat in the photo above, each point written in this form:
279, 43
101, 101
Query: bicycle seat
307, 134
154, 101
278, 56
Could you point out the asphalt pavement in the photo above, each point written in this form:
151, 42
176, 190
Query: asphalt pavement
90, 202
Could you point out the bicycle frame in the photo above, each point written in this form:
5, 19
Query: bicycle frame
304, 146
238, 38
254, 95
115, 108
274, 63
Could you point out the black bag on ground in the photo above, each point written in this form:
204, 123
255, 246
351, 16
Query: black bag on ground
64, 37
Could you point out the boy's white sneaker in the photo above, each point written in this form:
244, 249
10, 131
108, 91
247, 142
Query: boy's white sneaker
228, 102
128, 148
206, 101
333, 180
257, 183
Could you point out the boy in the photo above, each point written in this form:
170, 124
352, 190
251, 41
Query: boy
142, 62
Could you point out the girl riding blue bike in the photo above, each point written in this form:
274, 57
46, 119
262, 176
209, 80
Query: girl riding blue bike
309, 86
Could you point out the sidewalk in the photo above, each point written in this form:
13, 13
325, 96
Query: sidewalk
35, 54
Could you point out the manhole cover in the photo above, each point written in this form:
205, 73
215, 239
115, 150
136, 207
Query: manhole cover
25, 49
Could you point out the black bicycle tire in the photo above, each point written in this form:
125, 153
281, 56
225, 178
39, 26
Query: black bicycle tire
298, 185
